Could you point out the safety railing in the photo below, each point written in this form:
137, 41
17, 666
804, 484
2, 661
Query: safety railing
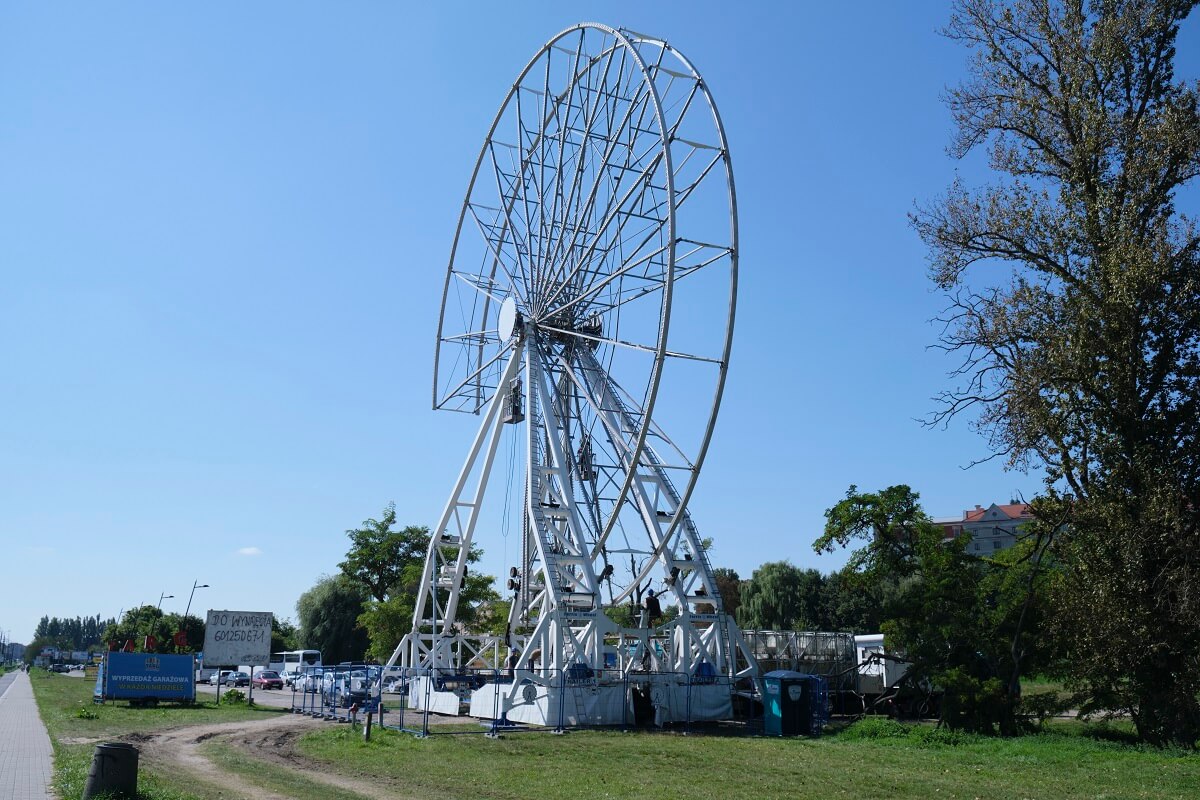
492, 702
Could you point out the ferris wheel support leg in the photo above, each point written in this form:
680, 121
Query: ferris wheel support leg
453, 532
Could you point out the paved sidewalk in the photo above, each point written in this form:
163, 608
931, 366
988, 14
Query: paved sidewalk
25, 752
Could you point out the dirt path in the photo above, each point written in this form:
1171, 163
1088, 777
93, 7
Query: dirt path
177, 752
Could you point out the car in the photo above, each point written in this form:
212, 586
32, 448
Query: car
219, 677
238, 679
289, 676
308, 682
267, 679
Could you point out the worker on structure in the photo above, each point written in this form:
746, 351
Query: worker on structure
653, 609
510, 664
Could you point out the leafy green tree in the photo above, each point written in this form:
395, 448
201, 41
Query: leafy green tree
1081, 351
389, 564
381, 559
79, 633
779, 596
148, 620
953, 615
849, 603
328, 614
284, 635
729, 585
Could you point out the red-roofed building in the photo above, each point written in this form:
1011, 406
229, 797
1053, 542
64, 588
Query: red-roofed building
989, 529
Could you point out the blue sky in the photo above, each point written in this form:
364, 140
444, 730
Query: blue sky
223, 236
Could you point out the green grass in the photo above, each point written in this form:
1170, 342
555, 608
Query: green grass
62, 700
873, 759
72, 762
273, 777
65, 705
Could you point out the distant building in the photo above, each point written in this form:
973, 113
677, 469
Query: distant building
988, 529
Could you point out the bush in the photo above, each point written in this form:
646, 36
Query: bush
875, 728
889, 729
234, 696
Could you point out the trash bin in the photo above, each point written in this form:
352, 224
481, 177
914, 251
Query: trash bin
795, 703
114, 770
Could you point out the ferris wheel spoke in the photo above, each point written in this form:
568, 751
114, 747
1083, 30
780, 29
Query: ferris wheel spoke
494, 238
603, 171
642, 182
613, 213
470, 379
589, 296
601, 91
483, 286
508, 197
564, 125
586, 144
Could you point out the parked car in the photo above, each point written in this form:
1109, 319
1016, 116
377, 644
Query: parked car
238, 679
219, 677
267, 679
289, 676
308, 682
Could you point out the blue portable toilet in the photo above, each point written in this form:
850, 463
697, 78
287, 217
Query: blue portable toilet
794, 704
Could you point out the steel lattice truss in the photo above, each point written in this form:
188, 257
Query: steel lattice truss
590, 294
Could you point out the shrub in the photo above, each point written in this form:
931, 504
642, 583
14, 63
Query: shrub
875, 728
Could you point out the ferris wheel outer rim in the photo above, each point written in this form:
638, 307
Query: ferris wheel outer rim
719, 389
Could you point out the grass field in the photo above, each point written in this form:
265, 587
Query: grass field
876, 758
75, 725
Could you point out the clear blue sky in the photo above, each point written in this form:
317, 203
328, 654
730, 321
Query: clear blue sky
223, 235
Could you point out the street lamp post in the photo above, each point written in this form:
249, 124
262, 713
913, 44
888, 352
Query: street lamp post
163, 596
195, 585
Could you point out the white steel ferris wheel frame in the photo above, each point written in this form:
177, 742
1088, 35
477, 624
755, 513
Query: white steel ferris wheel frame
542, 335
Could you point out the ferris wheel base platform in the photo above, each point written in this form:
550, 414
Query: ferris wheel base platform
599, 704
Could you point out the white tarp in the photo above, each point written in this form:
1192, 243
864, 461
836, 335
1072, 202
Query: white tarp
581, 705
700, 703
232, 638
422, 696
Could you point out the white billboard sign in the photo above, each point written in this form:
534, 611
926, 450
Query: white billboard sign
232, 638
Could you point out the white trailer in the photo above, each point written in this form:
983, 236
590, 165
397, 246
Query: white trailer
876, 673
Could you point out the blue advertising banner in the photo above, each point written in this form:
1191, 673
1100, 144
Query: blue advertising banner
140, 676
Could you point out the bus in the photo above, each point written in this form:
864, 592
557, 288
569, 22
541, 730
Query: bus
296, 660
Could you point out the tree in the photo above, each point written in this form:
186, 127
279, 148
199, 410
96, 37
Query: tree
729, 584
1084, 357
79, 633
381, 559
328, 614
849, 603
389, 565
779, 596
284, 635
953, 615
138, 623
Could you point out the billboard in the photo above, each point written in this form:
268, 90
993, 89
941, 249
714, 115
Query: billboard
145, 676
233, 638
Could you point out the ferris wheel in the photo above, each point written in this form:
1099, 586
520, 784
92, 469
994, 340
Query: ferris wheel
587, 319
